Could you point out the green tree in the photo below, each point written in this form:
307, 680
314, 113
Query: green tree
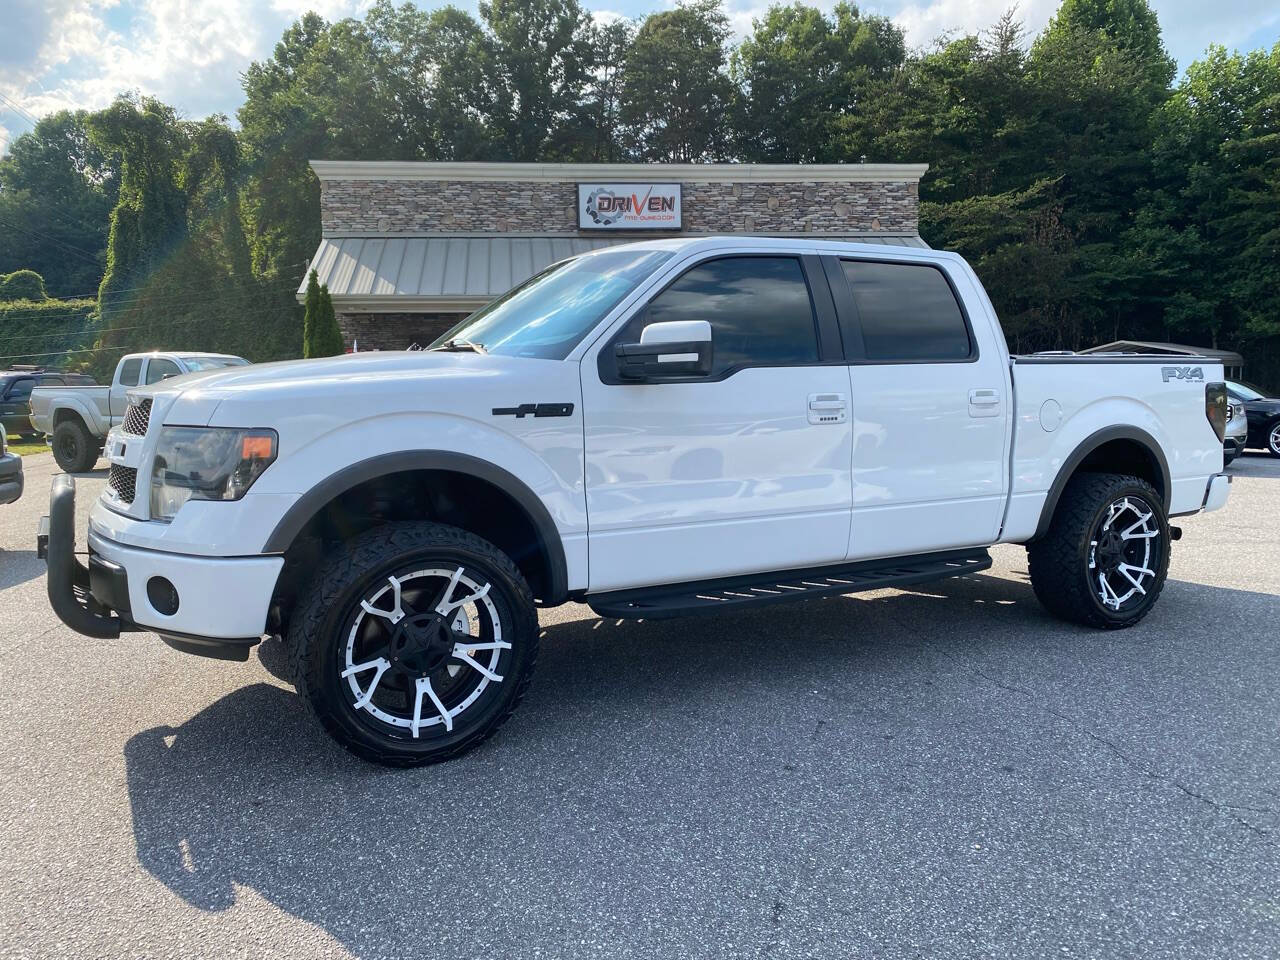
56, 193
807, 84
675, 87
538, 61
310, 312
323, 337
178, 266
22, 285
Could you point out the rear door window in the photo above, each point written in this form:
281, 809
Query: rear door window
907, 312
129, 372
161, 369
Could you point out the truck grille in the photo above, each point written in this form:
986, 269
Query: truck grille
123, 481
137, 417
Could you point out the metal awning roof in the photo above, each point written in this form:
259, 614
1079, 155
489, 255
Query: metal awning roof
444, 273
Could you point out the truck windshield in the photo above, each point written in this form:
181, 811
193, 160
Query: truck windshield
549, 313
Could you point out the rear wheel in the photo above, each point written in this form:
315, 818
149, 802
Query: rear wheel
74, 449
1273, 438
415, 643
1104, 560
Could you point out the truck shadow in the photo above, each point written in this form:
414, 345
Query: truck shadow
633, 783
19, 566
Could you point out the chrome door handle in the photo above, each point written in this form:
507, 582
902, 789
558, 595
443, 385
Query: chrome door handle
828, 408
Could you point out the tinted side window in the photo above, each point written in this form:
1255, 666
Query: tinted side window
129, 372
160, 369
907, 312
758, 307
21, 389
48, 380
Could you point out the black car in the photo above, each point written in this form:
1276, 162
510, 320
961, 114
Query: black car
10, 473
15, 395
1263, 413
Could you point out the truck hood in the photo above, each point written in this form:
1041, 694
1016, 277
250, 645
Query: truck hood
390, 379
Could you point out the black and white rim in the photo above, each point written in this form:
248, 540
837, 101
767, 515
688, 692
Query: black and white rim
1123, 553
422, 648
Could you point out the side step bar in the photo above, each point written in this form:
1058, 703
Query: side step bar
710, 596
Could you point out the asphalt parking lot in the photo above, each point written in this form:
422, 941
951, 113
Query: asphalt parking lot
943, 771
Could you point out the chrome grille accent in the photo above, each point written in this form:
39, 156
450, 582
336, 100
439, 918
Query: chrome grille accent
123, 481
137, 417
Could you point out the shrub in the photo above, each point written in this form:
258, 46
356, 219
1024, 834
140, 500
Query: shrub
53, 333
22, 285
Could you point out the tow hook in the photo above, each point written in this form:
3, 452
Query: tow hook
1175, 533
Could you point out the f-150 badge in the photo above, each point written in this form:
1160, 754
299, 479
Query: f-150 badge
535, 410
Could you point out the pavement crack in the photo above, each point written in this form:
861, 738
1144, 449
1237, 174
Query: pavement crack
1134, 763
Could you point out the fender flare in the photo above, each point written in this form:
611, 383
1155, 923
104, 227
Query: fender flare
311, 502
77, 409
1086, 447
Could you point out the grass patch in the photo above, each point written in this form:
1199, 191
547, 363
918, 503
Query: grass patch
24, 448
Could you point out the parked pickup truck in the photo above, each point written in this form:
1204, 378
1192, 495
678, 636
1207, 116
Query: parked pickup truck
78, 418
656, 429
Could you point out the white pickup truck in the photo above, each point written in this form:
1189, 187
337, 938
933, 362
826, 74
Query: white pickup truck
77, 418
656, 429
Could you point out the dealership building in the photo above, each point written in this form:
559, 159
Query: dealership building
408, 249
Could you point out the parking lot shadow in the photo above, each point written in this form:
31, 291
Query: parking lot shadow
19, 566
691, 787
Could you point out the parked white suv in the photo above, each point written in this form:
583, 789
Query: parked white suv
657, 429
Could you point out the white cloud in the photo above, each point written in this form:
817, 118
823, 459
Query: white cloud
924, 23
189, 53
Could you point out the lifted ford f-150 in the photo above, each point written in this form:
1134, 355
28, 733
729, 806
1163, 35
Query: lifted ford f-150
657, 429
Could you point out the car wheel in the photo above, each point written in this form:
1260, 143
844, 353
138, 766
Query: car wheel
1273, 438
1105, 557
414, 643
73, 448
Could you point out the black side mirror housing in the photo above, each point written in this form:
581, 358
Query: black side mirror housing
653, 362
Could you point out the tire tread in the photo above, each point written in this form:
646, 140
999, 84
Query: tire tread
347, 563
1053, 560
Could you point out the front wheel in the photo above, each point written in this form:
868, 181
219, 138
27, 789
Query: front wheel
1105, 557
415, 643
1273, 439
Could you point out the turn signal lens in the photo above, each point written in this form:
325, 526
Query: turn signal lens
1215, 407
258, 446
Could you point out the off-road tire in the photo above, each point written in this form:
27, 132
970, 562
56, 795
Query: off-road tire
74, 448
315, 646
1059, 561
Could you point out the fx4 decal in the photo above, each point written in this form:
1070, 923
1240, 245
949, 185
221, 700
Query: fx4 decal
1182, 373
535, 410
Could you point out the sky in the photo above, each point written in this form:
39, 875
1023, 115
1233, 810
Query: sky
57, 54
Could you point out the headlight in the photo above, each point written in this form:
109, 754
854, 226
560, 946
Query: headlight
207, 463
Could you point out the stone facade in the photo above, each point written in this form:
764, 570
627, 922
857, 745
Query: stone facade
393, 331
443, 206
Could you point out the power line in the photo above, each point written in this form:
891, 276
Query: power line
36, 233
94, 294
59, 353
180, 299
21, 111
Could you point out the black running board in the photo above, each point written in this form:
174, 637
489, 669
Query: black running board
710, 596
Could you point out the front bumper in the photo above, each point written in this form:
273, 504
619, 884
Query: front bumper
222, 603
11, 481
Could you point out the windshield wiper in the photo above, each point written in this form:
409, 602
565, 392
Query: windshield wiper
458, 346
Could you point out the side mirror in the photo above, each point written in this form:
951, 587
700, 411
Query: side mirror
667, 351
